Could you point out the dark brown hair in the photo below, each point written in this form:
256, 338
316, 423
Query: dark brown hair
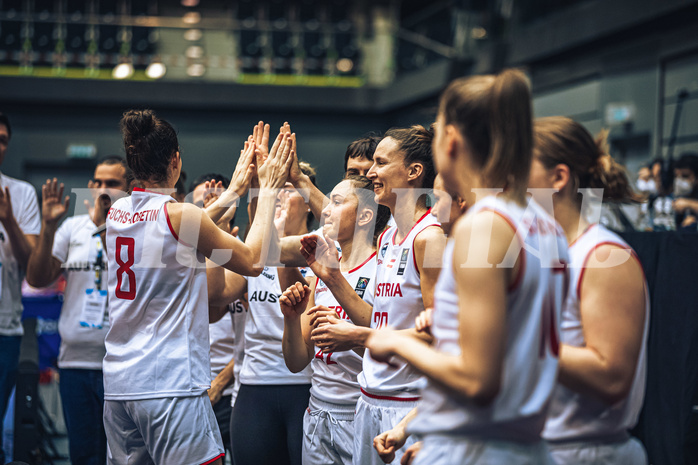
493, 114
415, 144
561, 140
150, 144
363, 188
363, 147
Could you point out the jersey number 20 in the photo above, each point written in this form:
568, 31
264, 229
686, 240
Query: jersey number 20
125, 268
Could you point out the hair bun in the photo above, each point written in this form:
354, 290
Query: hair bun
137, 125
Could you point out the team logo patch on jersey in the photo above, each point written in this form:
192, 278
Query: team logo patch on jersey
403, 262
384, 249
361, 286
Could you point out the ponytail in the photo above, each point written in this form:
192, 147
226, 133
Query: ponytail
561, 140
493, 114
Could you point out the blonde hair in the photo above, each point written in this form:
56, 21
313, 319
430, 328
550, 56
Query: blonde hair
493, 114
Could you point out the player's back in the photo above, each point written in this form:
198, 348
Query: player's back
157, 345
534, 302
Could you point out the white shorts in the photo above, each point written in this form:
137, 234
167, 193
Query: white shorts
373, 417
439, 449
328, 433
628, 452
169, 430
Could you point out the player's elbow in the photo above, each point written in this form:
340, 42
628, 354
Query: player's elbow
617, 387
479, 389
483, 393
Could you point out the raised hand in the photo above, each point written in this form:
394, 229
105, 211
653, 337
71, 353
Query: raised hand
294, 300
212, 190
53, 205
295, 173
274, 172
321, 255
260, 136
244, 170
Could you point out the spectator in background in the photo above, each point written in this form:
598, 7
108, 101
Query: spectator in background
73, 250
645, 182
686, 191
19, 228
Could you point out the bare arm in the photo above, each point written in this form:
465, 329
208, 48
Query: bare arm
221, 381
22, 244
42, 267
612, 307
296, 344
476, 373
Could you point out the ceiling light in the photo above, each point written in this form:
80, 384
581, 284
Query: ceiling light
196, 70
345, 65
122, 71
155, 70
194, 52
192, 35
190, 2
192, 17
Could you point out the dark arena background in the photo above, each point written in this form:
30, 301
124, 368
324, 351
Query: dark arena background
337, 69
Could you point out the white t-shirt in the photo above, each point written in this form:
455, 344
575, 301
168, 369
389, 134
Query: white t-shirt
77, 250
573, 416
26, 210
529, 368
238, 316
264, 330
222, 342
157, 345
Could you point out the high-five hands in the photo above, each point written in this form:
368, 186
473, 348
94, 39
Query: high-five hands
321, 255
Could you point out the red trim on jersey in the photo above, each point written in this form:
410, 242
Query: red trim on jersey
413, 226
522, 255
140, 189
169, 225
380, 238
399, 399
580, 236
373, 255
213, 459
414, 255
586, 259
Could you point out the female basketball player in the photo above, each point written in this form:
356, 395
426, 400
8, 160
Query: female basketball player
353, 219
601, 380
156, 369
407, 266
267, 420
492, 369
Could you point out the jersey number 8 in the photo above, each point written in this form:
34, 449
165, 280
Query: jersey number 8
125, 268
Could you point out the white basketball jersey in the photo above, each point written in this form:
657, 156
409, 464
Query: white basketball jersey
264, 331
533, 309
334, 374
222, 342
574, 416
157, 344
238, 314
398, 301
